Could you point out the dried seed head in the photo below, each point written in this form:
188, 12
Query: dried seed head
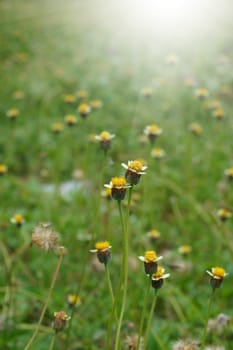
45, 237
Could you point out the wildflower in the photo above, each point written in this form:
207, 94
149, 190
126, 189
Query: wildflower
157, 153
185, 249
218, 113
103, 251
45, 237
60, 321
217, 275
96, 104
134, 170
118, 186
196, 129
57, 128
158, 277
18, 95
107, 193
131, 342
70, 120
3, 169
153, 235
78, 174
84, 110
224, 214
81, 94
69, 99
229, 173
12, 113
152, 131
150, 260
201, 93
105, 139
214, 104
18, 220
187, 344
172, 59
73, 300
219, 323
147, 92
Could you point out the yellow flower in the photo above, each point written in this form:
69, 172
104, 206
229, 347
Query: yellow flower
81, 94
105, 139
96, 104
147, 92
185, 249
103, 251
224, 214
158, 277
60, 320
153, 234
3, 169
118, 186
107, 193
218, 113
201, 93
70, 120
229, 173
152, 131
12, 113
214, 104
74, 300
69, 99
150, 260
17, 219
18, 95
196, 129
217, 275
134, 170
157, 153
84, 109
57, 128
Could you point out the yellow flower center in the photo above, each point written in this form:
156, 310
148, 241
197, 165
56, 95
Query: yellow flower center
150, 256
81, 94
105, 136
57, 127
135, 165
218, 272
159, 272
3, 168
61, 315
185, 249
229, 171
154, 234
74, 299
153, 129
84, 108
118, 182
69, 98
18, 218
202, 92
102, 245
70, 118
219, 112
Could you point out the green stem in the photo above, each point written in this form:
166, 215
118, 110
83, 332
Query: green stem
111, 290
125, 267
52, 341
143, 313
207, 319
150, 320
55, 275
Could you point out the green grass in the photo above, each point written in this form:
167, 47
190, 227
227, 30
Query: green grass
48, 51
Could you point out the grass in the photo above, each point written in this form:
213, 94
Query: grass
48, 51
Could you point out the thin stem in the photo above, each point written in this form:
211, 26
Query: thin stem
150, 320
55, 275
207, 319
52, 341
125, 268
143, 313
111, 290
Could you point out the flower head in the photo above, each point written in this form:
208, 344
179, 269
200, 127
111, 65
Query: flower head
107, 193
150, 260
105, 139
201, 93
57, 128
96, 104
196, 129
73, 300
153, 235
157, 153
18, 95
70, 120
18, 220
3, 169
103, 251
45, 237
12, 113
60, 320
152, 131
229, 173
185, 249
81, 94
224, 214
217, 275
134, 170
118, 186
218, 113
214, 104
84, 109
69, 99
147, 92
158, 277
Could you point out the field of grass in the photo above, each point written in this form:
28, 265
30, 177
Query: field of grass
53, 49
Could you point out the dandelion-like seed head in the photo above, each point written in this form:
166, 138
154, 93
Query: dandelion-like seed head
45, 237
60, 320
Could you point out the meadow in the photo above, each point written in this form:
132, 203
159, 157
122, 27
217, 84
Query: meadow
83, 90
